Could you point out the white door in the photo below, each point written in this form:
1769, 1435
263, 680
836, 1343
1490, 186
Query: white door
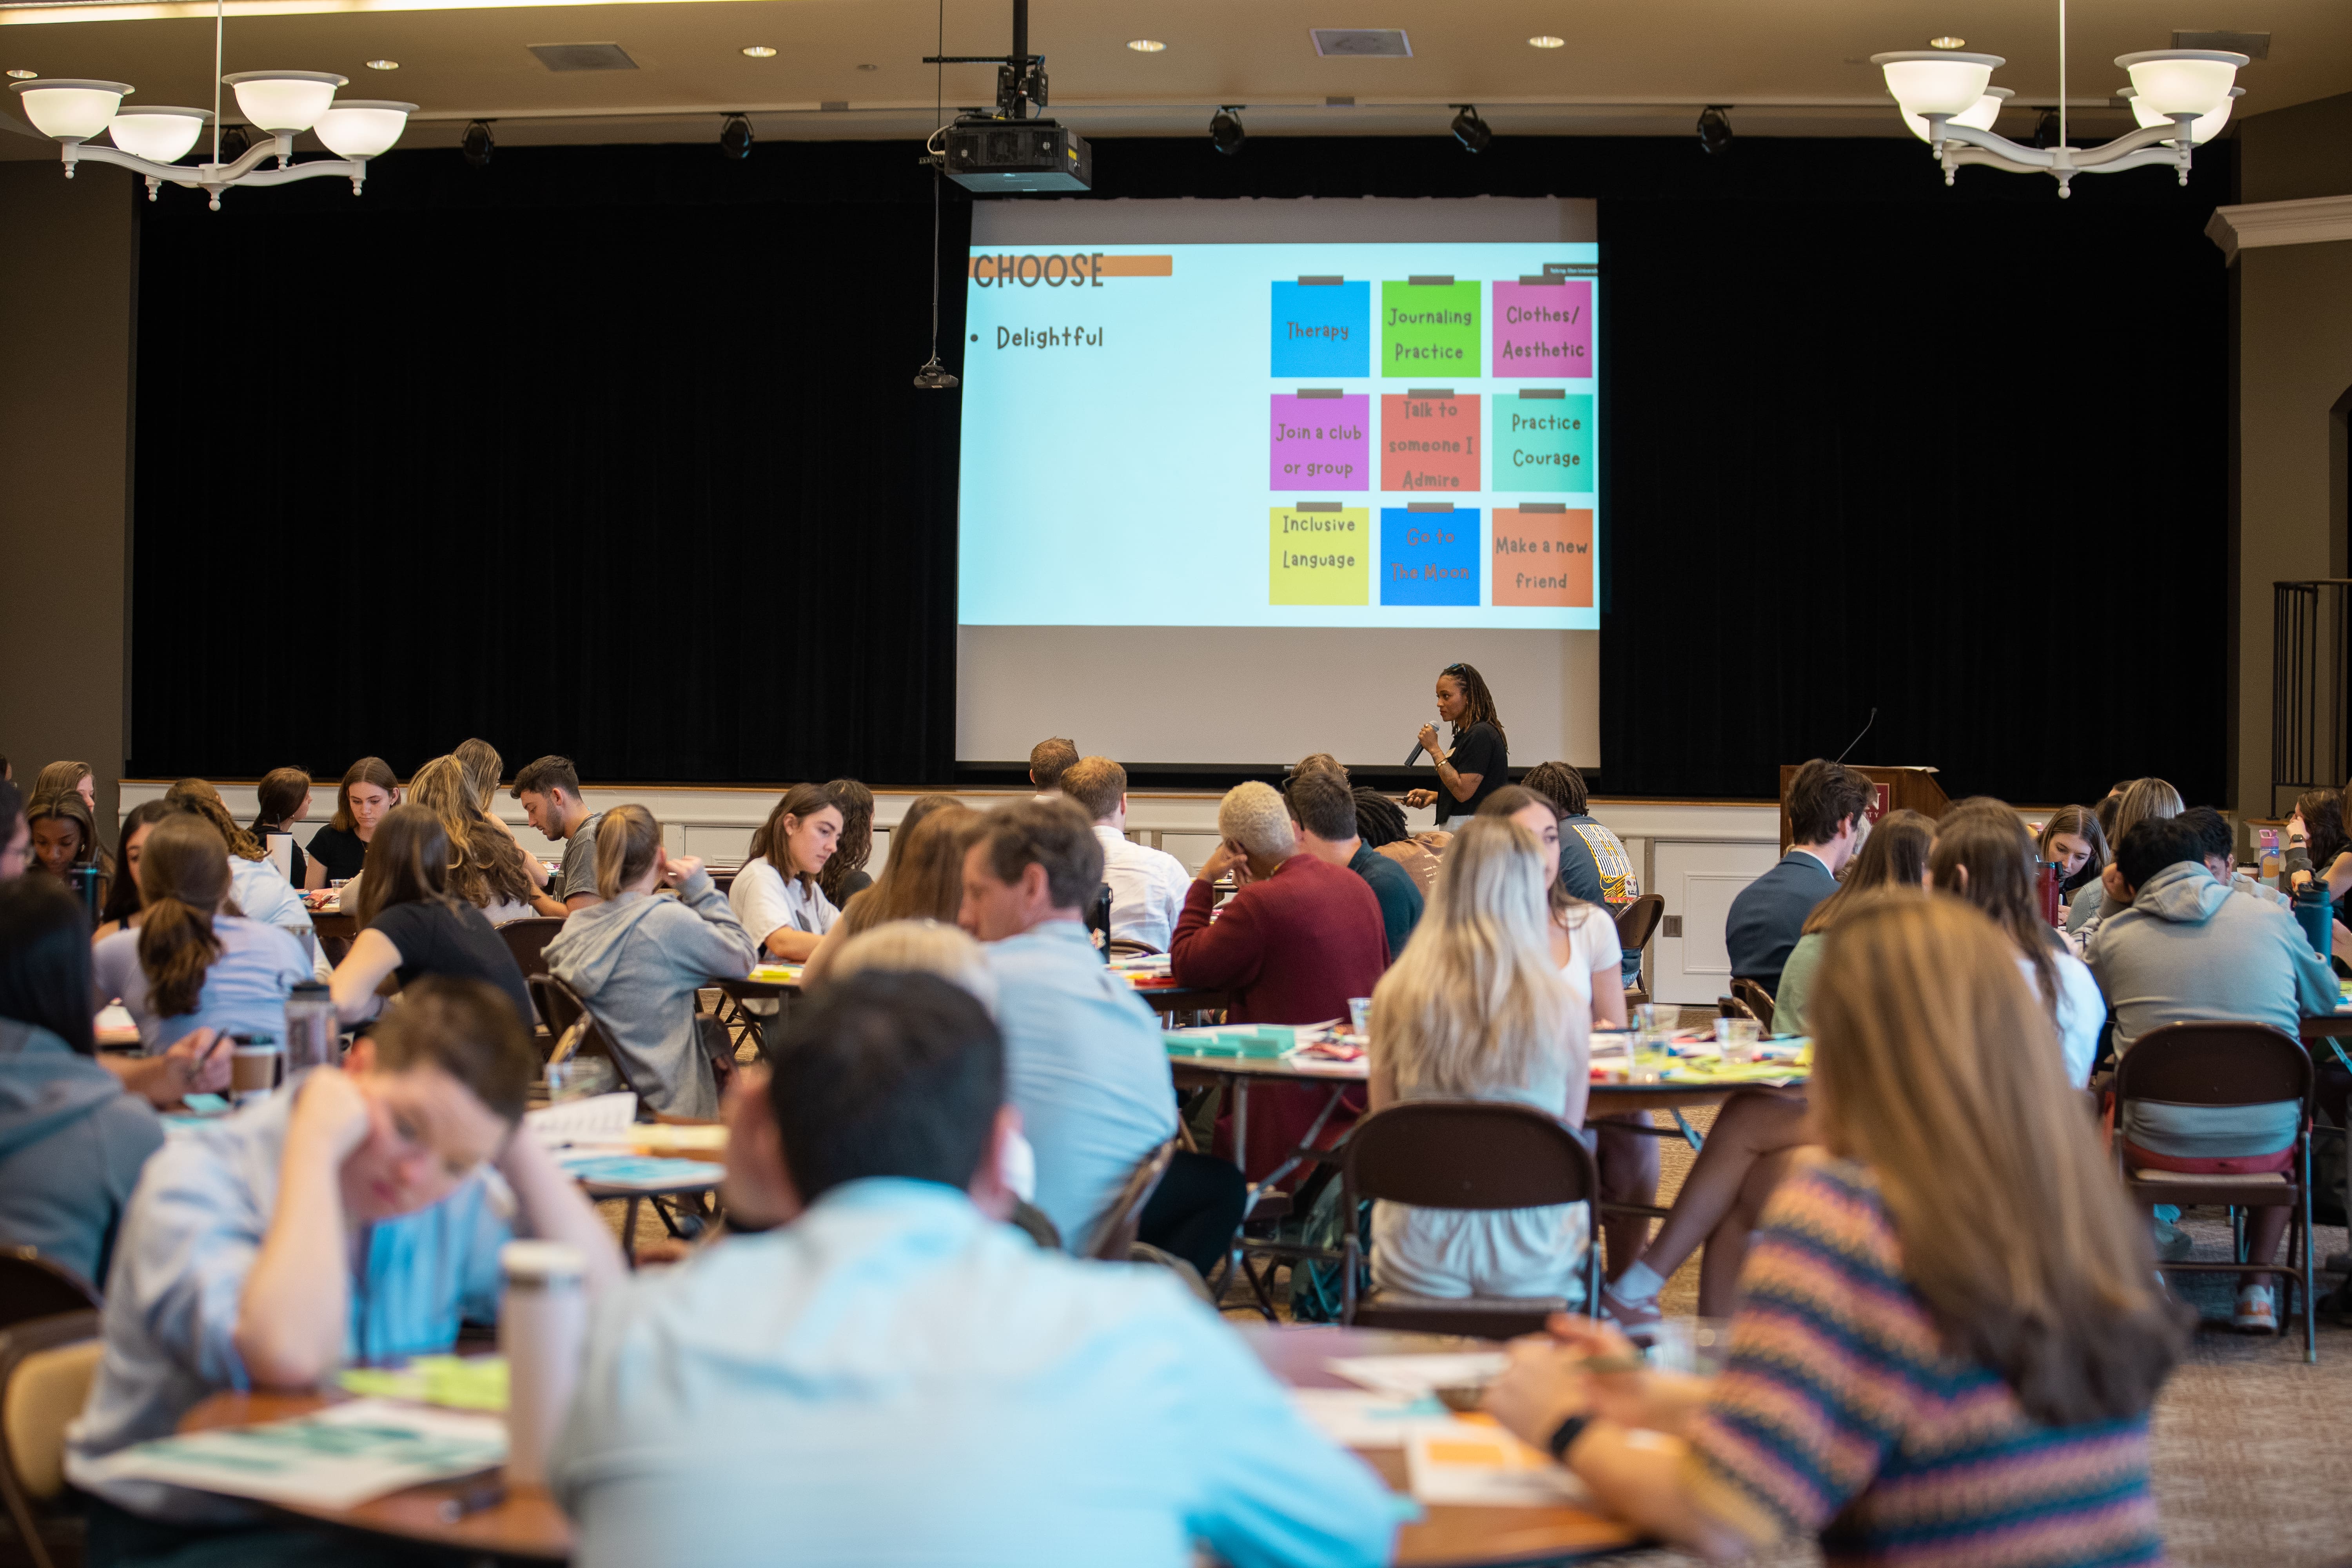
1689, 963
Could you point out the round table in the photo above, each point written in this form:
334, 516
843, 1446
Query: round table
526, 1524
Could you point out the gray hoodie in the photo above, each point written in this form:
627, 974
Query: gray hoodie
636, 961
2185, 950
71, 1144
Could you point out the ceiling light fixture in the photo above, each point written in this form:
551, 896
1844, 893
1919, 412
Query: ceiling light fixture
1546, 41
1146, 45
2181, 97
1715, 128
735, 137
1469, 130
150, 140
384, 64
1947, 42
760, 52
23, 76
1225, 132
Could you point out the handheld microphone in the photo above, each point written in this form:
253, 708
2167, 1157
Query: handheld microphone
1850, 745
1414, 755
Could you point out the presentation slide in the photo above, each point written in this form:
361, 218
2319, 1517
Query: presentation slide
1352, 434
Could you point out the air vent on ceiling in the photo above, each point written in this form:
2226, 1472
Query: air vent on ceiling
2254, 46
1363, 43
583, 56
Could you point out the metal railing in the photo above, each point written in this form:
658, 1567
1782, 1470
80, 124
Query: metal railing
2311, 684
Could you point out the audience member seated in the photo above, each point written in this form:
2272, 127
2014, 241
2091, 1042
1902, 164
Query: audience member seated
485, 769
2186, 949
410, 925
775, 896
1950, 1333
2139, 801
845, 875
1049, 761
1085, 1063
260, 888
486, 867
16, 834
338, 851
67, 778
1147, 885
889, 1361
1323, 815
71, 1141
2220, 848
922, 881
637, 959
65, 837
346, 1218
921, 806
2073, 841
122, 898
1478, 764
1380, 822
1984, 856
192, 962
1476, 1009
1758, 1131
1583, 937
1592, 860
1826, 825
284, 796
548, 790
2316, 844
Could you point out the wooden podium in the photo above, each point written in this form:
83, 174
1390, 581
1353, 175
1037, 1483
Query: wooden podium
1898, 789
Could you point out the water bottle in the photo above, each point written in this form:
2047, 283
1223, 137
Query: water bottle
85, 883
2314, 912
2053, 898
542, 1332
312, 1030
1097, 919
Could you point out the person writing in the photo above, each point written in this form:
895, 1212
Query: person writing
284, 796
1478, 762
412, 923
778, 895
548, 790
339, 850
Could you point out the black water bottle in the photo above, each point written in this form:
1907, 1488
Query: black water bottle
1099, 921
85, 880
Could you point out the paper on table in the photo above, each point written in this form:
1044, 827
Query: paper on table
1476, 1463
458, 1383
1411, 1376
335, 1457
639, 1173
602, 1117
1359, 1418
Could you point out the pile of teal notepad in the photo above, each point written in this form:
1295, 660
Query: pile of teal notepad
1241, 1040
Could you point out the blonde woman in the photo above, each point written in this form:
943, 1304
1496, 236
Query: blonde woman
1476, 1008
923, 880
486, 866
1950, 1331
2142, 799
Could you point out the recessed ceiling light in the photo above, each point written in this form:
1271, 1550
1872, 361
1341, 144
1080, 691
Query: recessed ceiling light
1146, 45
24, 76
1946, 42
760, 52
1546, 41
384, 64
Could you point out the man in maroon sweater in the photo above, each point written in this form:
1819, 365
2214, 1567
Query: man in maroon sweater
1293, 945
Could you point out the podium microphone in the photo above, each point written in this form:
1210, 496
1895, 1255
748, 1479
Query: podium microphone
1850, 745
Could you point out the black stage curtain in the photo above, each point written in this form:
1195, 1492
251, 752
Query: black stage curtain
611, 451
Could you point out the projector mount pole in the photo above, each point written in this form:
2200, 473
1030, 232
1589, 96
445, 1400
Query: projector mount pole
1020, 76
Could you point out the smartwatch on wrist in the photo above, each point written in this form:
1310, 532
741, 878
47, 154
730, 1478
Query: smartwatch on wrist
1564, 1435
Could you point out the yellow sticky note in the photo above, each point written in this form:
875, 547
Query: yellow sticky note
1318, 555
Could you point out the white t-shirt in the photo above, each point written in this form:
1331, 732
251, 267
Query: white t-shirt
1591, 948
1146, 888
767, 902
2082, 1012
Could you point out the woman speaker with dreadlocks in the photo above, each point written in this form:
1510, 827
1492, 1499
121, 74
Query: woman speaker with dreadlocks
1478, 764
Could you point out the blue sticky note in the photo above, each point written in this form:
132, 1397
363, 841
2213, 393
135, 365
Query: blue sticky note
1429, 557
1322, 329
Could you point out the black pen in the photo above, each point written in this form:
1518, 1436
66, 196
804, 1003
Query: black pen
473, 1499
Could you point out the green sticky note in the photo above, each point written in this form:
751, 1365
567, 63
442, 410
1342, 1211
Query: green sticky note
1429, 329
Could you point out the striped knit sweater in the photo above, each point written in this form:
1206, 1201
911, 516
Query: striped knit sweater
1840, 1414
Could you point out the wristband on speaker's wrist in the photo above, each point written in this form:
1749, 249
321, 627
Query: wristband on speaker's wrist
1564, 1435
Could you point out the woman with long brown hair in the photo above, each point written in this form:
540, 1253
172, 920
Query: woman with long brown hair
412, 925
486, 866
844, 876
1759, 1131
339, 850
122, 898
2141, 800
1983, 855
195, 961
65, 838
1950, 1331
776, 894
2074, 841
284, 798
261, 890
922, 881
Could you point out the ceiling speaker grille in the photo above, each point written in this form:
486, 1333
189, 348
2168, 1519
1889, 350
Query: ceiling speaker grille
583, 56
1363, 43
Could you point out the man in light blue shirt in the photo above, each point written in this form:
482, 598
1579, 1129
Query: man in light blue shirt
893, 1374
1085, 1064
346, 1217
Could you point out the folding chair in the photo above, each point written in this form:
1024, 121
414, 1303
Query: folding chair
1463, 1154
1636, 923
2223, 1064
47, 1366
1754, 999
527, 939
1117, 1230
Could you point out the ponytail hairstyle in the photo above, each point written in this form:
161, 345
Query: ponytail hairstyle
122, 894
408, 863
485, 865
1481, 708
199, 797
483, 765
367, 770
799, 802
183, 877
628, 840
279, 795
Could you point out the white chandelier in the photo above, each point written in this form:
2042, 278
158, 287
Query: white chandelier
152, 139
2179, 97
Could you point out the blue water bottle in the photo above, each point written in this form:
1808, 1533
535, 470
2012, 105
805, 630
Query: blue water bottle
2314, 912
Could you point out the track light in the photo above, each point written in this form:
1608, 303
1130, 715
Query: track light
934, 376
477, 145
2045, 130
1225, 130
234, 141
1715, 128
735, 137
1473, 133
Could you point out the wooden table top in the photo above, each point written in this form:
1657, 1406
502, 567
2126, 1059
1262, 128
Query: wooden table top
528, 1524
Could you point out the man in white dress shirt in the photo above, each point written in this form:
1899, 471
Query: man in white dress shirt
1147, 885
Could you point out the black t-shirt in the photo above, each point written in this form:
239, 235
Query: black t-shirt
1478, 750
342, 854
435, 938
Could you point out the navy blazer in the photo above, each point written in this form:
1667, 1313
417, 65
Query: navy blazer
1770, 914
